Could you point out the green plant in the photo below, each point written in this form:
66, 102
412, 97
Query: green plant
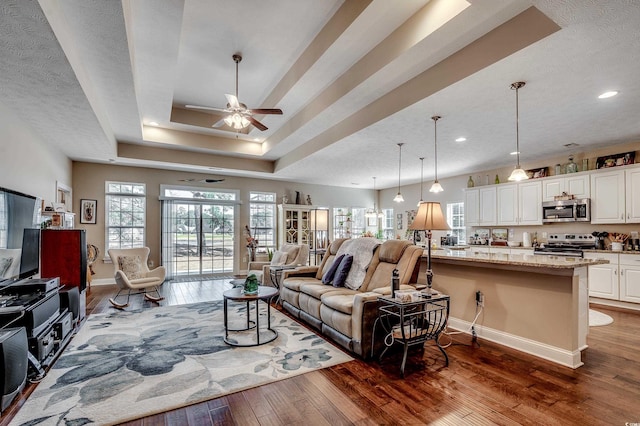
270, 254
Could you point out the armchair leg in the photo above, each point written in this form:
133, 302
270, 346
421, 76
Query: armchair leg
151, 298
118, 305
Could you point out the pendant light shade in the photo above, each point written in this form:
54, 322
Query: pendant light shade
517, 174
436, 187
399, 198
421, 178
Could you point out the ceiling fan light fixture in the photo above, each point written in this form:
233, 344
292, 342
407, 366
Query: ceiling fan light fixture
517, 174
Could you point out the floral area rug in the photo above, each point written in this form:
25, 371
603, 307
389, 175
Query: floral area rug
129, 364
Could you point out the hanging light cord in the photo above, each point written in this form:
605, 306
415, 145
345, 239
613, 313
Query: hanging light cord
421, 176
516, 86
399, 165
435, 119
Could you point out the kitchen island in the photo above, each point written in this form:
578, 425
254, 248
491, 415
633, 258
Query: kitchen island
538, 304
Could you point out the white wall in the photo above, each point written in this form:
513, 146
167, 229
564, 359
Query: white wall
27, 163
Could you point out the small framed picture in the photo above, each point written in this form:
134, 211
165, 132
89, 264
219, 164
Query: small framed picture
88, 211
399, 221
56, 220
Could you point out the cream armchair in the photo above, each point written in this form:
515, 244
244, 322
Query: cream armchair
132, 273
287, 255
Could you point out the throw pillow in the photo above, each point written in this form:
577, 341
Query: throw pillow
131, 266
279, 258
327, 278
5, 263
343, 270
362, 251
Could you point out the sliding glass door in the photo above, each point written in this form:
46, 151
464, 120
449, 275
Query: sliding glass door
198, 236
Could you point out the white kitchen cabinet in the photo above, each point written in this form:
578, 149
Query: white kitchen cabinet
472, 207
603, 279
530, 203
608, 192
487, 210
629, 277
519, 204
574, 184
632, 206
507, 204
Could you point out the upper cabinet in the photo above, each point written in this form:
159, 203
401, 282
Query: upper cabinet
472, 207
632, 184
519, 203
487, 210
574, 184
608, 191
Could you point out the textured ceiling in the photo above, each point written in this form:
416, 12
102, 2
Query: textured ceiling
353, 79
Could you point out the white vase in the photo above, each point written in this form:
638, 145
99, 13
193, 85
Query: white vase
616, 246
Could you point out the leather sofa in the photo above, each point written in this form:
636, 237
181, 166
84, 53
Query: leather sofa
343, 314
287, 255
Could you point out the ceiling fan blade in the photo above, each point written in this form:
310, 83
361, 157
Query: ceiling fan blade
206, 108
206, 180
212, 180
266, 111
219, 123
257, 124
233, 101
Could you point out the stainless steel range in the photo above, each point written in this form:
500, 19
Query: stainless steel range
567, 245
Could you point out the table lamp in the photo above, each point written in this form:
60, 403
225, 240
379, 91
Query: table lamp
429, 218
319, 224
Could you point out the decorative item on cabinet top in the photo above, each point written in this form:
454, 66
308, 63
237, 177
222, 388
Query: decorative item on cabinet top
538, 173
622, 159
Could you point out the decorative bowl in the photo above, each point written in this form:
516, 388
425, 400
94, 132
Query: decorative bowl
513, 243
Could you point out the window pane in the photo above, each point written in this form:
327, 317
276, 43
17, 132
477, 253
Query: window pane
126, 218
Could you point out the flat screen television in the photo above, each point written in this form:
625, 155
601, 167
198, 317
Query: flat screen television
18, 212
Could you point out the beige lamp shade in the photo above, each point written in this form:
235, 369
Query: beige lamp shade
429, 218
320, 220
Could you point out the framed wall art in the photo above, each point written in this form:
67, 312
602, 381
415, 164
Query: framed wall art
88, 210
622, 159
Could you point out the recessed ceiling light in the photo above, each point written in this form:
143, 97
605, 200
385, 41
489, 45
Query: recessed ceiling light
461, 139
608, 94
153, 123
514, 153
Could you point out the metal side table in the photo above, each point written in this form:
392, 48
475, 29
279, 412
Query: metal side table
236, 294
411, 323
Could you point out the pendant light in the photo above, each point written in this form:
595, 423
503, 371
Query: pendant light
399, 198
374, 213
517, 174
421, 178
436, 187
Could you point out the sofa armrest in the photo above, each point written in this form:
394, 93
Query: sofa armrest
301, 271
363, 316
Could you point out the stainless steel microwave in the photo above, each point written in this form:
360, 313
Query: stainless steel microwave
567, 211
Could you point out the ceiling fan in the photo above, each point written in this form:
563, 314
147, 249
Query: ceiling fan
238, 115
206, 180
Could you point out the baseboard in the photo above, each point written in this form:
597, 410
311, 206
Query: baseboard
541, 350
615, 303
102, 281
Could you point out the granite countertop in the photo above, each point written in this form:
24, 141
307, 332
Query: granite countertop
530, 260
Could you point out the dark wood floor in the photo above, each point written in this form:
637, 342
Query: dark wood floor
485, 384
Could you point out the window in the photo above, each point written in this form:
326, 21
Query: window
455, 219
125, 205
387, 225
262, 218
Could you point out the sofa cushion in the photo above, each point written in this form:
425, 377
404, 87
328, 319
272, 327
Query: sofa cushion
316, 291
392, 251
362, 251
327, 277
340, 276
294, 283
342, 302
